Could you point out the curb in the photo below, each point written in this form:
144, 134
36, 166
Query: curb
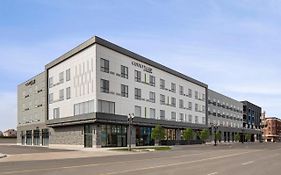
2, 155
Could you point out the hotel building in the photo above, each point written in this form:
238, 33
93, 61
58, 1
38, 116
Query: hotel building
87, 94
226, 114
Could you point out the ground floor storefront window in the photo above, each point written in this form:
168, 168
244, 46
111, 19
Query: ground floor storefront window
113, 136
45, 137
36, 137
170, 134
29, 137
143, 136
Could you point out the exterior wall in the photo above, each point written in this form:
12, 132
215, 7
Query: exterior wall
82, 82
230, 115
68, 135
251, 115
32, 101
125, 106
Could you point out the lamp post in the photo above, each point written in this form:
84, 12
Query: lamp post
242, 136
130, 122
215, 133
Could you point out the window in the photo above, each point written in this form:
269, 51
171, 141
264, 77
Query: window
67, 74
61, 77
137, 76
162, 84
51, 98
173, 87
181, 103
190, 105
152, 80
84, 107
173, 115
203, 97
51, 82
181, 90
190, 93
162, 114
152, 113
104, 65
173, 101
196, 107
137, 94
196, 119
137, 111
203, 108
56, 113
152, 96
106, 106
104, 85
181, 117
124, 90
190, 118
162, 99
196, 94
203, 120
61, 93
124, 71
68, 93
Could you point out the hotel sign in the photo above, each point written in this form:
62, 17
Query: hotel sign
30, 83
145, 68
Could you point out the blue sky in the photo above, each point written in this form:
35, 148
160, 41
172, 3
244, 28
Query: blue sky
233, 46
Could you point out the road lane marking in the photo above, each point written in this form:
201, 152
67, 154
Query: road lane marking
247, 163
126, 171
100, 164
213, 173
179, 163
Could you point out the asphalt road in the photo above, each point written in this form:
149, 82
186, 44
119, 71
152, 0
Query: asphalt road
240, 159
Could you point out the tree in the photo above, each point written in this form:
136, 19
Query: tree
248, 137
188, 134
204, 135
158, 133
218, 136
237, 137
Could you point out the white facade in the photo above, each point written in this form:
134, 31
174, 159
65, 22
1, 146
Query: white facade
85, 86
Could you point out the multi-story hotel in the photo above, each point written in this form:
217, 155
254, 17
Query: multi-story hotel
84, 97
226, 114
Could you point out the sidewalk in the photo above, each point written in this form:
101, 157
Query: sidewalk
64, 155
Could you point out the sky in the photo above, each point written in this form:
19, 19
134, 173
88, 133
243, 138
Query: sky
234, 46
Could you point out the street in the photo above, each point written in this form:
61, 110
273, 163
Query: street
236, 159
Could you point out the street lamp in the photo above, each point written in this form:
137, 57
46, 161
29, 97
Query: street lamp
242, 136
215, 135
130, 122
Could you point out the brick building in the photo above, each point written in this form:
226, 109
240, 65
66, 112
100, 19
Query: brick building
272, 129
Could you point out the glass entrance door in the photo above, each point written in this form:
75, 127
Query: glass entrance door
88, 136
